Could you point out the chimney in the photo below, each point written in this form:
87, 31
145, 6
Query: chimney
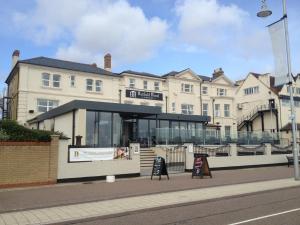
94, 64
218, 72
107, 62
15, 58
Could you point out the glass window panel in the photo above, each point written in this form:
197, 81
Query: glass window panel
91, 128
105, 129
143, 132
117, 129
152, 129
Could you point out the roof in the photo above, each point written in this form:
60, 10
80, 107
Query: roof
63, 64
174, 73
141, 74
97, 106
288, 127
181, 117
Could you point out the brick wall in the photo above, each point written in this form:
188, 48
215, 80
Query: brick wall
28, 163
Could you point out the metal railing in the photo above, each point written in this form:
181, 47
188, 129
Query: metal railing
223, 150
256, 110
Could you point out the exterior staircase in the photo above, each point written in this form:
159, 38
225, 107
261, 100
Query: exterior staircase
254, 114
147, 156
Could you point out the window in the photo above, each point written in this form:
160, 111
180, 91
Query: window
187, 109
221, 92
72, 81
227, 131
226, 110
46, 79
56, 80
251, 90
204, 90
173, 107
132, 83
205, 109
156, 86
285, 102
98, 84
217, 110
89, 84
298, 91
288, 89
145, 84
44, 105
187, 88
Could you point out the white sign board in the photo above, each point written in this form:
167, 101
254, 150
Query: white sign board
90, 154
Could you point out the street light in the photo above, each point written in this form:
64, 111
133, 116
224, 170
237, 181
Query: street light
265, 13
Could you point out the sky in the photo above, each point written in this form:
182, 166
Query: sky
154, 36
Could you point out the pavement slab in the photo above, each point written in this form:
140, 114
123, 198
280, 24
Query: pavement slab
72, 193
123, 205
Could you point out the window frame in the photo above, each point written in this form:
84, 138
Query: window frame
217, 111
54, 81
72, 80
204, 90
98, 87
205, 111
48, 107
47, 80
89, 85
131, 83
226, 111
187, 109
145, 84
156, 85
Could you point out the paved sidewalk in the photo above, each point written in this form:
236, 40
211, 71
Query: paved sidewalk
104, 208
64, 194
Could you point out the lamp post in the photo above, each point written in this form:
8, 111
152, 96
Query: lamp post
265, 13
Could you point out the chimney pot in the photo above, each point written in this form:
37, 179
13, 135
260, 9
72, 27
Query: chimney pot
15, 58
16, 53
107, 62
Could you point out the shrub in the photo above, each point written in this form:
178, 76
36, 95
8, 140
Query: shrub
12, 131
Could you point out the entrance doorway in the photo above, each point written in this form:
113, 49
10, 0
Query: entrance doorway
129, 131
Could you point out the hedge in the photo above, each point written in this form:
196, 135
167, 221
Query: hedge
12, 131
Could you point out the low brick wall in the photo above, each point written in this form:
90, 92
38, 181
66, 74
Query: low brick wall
28, 163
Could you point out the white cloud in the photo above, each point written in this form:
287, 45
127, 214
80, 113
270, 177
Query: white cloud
213, 27
87, 29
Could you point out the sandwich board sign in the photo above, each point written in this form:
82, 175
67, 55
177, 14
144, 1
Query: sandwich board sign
201, 167
159, 168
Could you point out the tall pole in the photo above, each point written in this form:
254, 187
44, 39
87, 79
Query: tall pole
293, 114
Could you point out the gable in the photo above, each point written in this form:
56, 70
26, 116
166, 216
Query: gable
188, 75
223, 80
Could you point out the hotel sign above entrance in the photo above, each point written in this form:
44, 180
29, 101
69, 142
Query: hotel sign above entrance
144, 95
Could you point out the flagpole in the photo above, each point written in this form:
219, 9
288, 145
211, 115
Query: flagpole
293, 114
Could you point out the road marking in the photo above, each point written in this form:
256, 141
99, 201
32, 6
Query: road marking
267, 216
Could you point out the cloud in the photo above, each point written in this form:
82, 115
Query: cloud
213, 27
85, 30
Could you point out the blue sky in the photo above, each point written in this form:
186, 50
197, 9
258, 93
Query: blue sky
155, 36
